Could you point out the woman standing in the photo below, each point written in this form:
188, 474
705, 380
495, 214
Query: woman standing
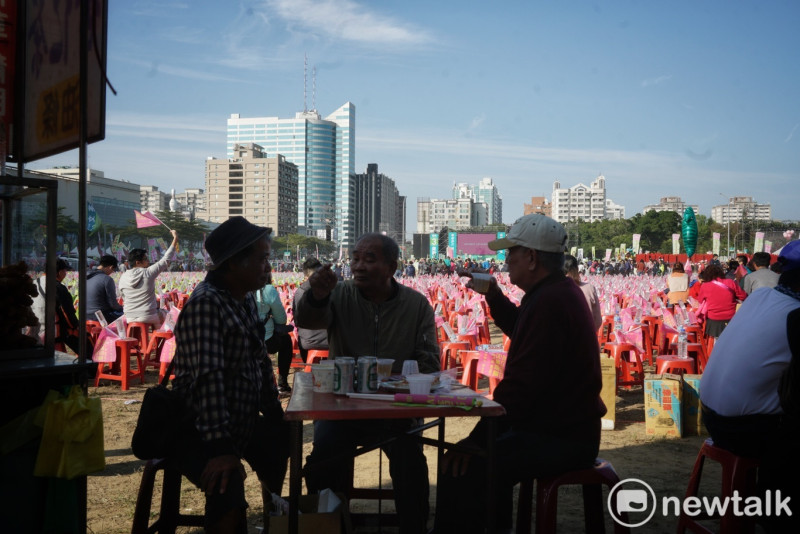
721, 296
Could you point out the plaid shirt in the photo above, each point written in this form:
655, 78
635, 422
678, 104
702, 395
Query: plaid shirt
219, 360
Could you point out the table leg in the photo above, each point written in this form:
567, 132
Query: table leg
295, 473
491, 476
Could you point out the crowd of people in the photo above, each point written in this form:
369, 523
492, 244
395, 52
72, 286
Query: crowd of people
235, 318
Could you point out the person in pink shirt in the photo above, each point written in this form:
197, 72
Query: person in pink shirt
721, 296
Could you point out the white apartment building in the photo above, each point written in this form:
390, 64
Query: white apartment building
741, 209
453, 213
261, 189
587, 203
675, 204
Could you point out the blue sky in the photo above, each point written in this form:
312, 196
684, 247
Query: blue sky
699, 99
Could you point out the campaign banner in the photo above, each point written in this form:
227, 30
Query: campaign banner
759, 244
768, 247
608, 254
635, 245
501, 254
715, 243
676, 245
434, 248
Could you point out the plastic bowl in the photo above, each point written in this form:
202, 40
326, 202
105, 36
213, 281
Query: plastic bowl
420, 384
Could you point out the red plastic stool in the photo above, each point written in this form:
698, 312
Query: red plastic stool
738, 474
626, 366
152, 356
669, 363
591, 479
120, 369
315, 356
140, 332
169, 515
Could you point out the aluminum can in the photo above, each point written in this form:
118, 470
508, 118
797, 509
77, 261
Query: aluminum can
344, 369
367, 374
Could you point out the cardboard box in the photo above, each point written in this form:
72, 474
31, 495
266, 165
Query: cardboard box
692, 410
609, 392
662, 405
312, 522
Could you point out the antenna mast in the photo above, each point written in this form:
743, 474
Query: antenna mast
305, 81
314, 88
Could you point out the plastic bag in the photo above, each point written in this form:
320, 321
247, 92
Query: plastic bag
72, 438
105, 348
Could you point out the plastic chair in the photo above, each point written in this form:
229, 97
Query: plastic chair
169, 515
470, 376
449, 353
669, 363
140, 332
738, 474
591, 480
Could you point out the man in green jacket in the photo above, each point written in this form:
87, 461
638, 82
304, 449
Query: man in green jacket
372, 315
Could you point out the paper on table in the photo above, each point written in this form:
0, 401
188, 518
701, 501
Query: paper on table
371, 396
439, 400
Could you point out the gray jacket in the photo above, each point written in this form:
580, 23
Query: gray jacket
402, 328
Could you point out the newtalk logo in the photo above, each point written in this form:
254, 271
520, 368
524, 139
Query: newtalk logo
637, 500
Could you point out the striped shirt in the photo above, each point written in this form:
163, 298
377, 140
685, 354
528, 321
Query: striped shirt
219, 360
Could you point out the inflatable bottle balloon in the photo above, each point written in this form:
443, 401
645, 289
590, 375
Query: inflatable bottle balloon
689, 231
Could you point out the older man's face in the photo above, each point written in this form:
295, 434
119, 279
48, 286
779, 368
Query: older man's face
370, 269
254, 271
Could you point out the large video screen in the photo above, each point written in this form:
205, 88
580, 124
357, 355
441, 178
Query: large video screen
475, 244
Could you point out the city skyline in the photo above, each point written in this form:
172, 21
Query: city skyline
663, 100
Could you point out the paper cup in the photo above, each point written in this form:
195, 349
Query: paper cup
384, 368
419, 384
480, 282
410, 367
323, 378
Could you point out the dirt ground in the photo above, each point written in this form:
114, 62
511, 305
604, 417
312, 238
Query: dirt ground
664, 464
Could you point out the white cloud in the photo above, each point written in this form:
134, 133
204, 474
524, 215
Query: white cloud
477, 121
349, 21
655, 81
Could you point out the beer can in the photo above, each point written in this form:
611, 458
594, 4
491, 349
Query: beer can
343, 374
367, 374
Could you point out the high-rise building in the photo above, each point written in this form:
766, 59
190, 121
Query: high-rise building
675, 204
262, 189
485, 192
323, 151
538, 205
741, 209
585, 203
152, 199
378, 205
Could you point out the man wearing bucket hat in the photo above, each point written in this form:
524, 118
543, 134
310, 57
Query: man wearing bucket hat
750, 387
225, 377
551, 383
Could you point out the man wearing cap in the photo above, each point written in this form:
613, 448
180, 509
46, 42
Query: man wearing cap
137, 285
101, 291
550, 388
755, 358
372, 315
224, 375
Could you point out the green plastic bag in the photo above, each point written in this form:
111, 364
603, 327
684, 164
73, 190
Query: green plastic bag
72, 437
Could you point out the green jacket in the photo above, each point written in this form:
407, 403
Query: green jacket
402, 328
